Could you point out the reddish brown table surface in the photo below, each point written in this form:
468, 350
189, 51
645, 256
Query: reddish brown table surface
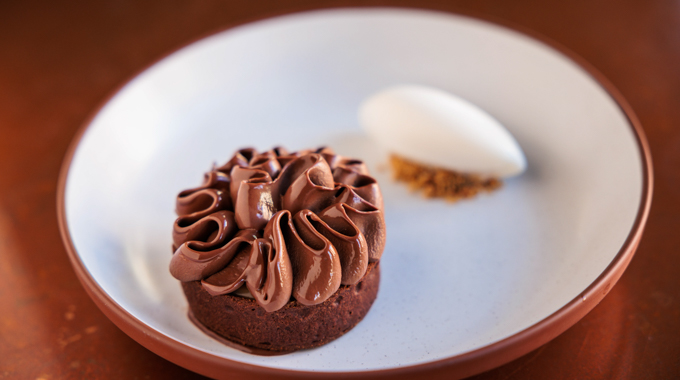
60, 59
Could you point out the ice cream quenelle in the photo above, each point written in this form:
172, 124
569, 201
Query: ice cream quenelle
439, 131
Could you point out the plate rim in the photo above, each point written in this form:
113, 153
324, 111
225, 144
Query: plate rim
466, 364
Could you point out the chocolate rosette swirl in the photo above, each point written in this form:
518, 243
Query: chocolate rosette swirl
281, 224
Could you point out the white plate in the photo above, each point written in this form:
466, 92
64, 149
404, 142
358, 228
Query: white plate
456, 277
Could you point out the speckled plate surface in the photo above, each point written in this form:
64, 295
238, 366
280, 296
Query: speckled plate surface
465, 286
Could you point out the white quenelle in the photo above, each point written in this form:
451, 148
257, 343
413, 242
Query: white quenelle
436, 128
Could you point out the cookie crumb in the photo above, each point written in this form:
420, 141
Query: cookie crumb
440, 183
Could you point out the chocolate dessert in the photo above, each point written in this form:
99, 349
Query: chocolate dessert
280, 251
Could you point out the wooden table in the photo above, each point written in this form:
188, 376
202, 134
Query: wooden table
59, 60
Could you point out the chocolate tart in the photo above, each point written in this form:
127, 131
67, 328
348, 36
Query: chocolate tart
280, 251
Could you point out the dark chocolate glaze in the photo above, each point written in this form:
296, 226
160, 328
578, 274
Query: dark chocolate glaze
282, 224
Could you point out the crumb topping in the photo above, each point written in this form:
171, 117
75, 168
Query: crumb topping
440, 183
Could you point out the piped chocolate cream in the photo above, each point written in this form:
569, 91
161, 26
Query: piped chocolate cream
281, 224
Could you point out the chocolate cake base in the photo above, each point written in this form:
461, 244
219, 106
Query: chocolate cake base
293, 327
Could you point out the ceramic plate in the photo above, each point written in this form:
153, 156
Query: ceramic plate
465, 286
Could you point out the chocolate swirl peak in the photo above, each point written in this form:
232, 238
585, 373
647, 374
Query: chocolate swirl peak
281, 224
